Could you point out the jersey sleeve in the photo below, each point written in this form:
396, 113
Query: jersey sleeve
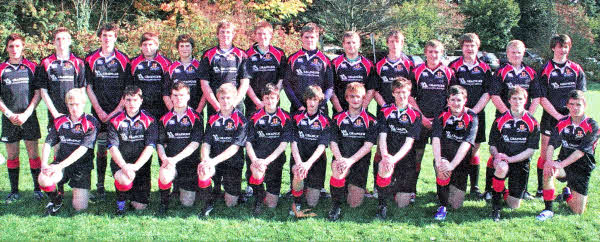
588, 144
487, 81
167, 83
89, 138
325, 137
151, 135
436, 128
334, 130
162, 134
473, 125
282, 67
41, 78
204, 69
534, 88
372, 133
555, 139
413, 81
52, 139
328, 77
495, 85
198, 130
382, 126
494, 134
542, 82
80, 78
371, 82
251, 132
288, 131
89, 74
241, 135
112, 136
533, 140
581, 81
415, 128
243, 71
208, 135
289, 90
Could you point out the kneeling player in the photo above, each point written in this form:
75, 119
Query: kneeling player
400, 125
180, 133
355, 130
453, 135
513, 140
578, 135
268, 135
73, 161
132, 136
311, 137
225, 133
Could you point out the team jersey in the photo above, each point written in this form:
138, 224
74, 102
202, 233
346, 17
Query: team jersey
223, 132
267, 67
306, 68
399, 125
149, 75
188, 74
430, 88
311, 131
175, 133
474, 78
70, 135
17, 84
220, 66
512, 136
508, 77
351, 133
59, 77
388, 72
572, 137
345, 72
267, 131
131, 135
108, 77
556, 83
453, 130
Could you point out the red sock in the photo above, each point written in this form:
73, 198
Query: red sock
548, 194
35, 163
475, 160
540, 162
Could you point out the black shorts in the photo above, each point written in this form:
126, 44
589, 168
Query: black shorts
187, 175
76, 176
404, 178
518, 175
230, 177
424, 139
548, 122
273, 175
316, 175
140, 191
480, 138
359, 172
460, 174
577, 177
30, 130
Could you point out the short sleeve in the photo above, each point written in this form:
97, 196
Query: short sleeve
533, 140
198, 130
436, 129
52, 138
415, 128
495, 85
473, 125
89, 139
372, 133
494, 134
241, 135
590, 139
112, 136
151, 135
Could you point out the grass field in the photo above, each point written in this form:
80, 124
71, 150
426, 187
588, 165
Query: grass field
22, 220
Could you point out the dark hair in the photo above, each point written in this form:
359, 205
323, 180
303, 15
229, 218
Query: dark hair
184, 38
312, 92
577, 95
132, 90
456, 89
310, 28
149, 36
469, 37
400, 83
180, 85
561, 39
13, 37
107, 28
268, 89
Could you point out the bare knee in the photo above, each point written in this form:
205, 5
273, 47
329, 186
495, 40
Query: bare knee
80, 199
139, 206
230, 200
355, 196
312, 197
402, 199
271, 200
187, 198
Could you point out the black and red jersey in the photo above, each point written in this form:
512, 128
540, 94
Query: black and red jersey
220, 66
430, 88
311, 131
351, 133
267, 131
188, 74
508, 77
267, 67
70, 135
399, 125
149, 75
131, 135
60, 76
556, 83
108, 76
223, 132
453, 131
388, 71
345, 72
577, 136
512, 136
306, 68
17, 84
474, 78
177, 132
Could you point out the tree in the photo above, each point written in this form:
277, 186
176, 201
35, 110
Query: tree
492, 20
537, 24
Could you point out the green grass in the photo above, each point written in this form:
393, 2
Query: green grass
21, 220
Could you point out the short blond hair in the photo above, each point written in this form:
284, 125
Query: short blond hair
355, 87
263, 25
515, 44
225, 24
226, 88
76, 94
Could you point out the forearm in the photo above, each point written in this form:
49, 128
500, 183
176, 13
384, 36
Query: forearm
437, 150
526, 154
549, 108
186, 152
160, 149
244, 85
316, 155
208, 93
296, 153
364, 150
94, 99
485, 98
228, 153
252, 95
460, 154
404, 149
280, 149
335, 150
572, 158
117, 157
382, 144
144, 156
368, 98
336, 103
205, 152
4, 109
73, 157
493, 151
250, 151
497, 101
46, 149
549, 153
49, 103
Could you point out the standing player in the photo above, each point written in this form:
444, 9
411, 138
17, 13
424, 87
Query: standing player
578, 135
269, 134
514, 137
18, 100
75, 134
307, 67
353, 133
186, 70
180, 133
148, 72
513, 74
475, 76
107, 71
311, 137
400, 125
222, 150
351, 67
430, 82
395, 65
59, 73
132, 136
453, 135
558, 77
265, 64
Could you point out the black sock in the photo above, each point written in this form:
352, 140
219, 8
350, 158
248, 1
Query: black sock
13, 176
259, 192
474, 176
489, 174
337, 195
164, 196
206, 194
100, 172
497, 199
540, 181
298, 200
417, 177
35, 173
443, 193
383, 193
548, 205
121, 196
55, 197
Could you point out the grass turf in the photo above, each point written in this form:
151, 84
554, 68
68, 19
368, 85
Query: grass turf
22, 219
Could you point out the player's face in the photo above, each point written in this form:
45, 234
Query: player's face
470, 49
226, 100
355, 100
561, 51
108, 39
401, 96
62, 41
225, 36
270, 101
15, 49
149, 48
515, 55
517, 102
133, 103
351, 45
456, 103
576, 107
312, 105
180, 97
263, 36
75, 106
184, 49
310, 40
395, 44
433, 55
